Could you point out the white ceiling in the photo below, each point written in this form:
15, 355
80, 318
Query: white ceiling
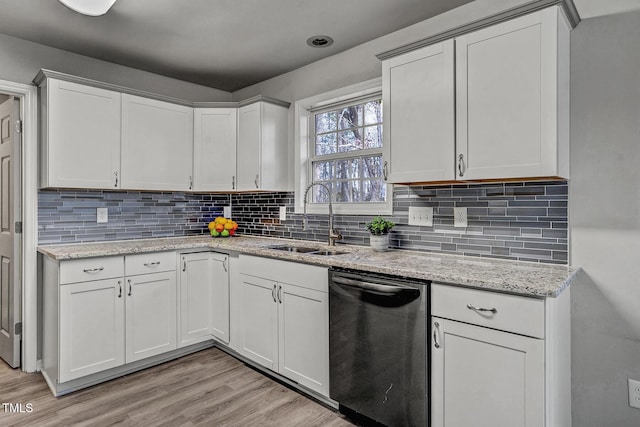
227, 44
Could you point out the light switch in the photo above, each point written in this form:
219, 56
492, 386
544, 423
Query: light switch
226, 212
283, 213
102, 215
421, 216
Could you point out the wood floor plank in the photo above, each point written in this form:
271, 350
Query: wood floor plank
208, 388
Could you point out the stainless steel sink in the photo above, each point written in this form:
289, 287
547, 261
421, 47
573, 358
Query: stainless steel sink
307, 250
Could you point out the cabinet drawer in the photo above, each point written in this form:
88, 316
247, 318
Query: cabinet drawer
298, 274
150, 263
87, 269
513, 313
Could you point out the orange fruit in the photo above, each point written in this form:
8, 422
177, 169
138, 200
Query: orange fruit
219, 227
211, 225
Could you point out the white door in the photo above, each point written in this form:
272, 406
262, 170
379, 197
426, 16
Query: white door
303, 325
196, 298
506, 99
485, 378
214, 149
91, 327
151, 326
418, 101
157, 145
10, 247
82, 135
249, 147
259, 328
220, 294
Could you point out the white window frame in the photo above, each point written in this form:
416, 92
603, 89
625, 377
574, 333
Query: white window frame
303, 144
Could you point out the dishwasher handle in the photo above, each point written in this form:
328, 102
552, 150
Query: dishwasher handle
370, 286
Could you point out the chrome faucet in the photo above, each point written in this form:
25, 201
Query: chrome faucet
334, 234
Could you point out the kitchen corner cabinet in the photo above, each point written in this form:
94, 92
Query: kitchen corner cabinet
263, 155
511, 109
498, 359
214, 149
418, 102
80, 136
283, 314
204, 297
157, 145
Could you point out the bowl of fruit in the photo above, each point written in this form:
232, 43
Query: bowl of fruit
222, 227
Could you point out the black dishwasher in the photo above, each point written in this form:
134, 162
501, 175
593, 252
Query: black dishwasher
378, 346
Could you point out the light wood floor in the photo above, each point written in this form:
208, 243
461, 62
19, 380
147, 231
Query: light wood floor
208, 388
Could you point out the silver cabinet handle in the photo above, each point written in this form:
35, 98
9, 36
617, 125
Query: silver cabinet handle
436, 334
224, 264
474, 308
130, 287
151, 264
184, 264
256, 181
233, 182
273, 293
280, 294
385, 170
190, 183
461, 167
93, 270
116, 175
119, 289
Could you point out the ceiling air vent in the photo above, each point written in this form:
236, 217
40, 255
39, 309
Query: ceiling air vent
320, 41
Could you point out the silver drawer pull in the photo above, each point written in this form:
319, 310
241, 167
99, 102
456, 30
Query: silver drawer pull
474, 308
151, 264
436, 334
93, 270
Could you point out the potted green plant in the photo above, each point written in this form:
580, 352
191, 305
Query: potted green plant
379, 229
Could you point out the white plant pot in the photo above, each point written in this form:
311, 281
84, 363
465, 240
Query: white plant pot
379, 242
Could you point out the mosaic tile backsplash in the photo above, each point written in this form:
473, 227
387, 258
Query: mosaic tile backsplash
523, 221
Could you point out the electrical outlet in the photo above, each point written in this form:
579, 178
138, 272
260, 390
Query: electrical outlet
283, 213
634, 393
226, 211
460, 217
102, 215
421, 216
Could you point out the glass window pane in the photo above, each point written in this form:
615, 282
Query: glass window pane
374, 190
372, 167
347, 191
326, 144
373, 136
373, 112
326, 122
322, 171
350, 117
320, 194
350, 140
348, 169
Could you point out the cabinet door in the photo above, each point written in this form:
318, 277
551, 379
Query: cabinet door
507, 99
483, 377
418, 101
151, 326
214, 149
303, 323
82, 136
157, 145
91, 327
220, 302
196, 298
249, 147
259, 329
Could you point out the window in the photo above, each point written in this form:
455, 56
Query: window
347, 154
339, 143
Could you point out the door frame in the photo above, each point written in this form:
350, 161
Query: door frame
28, 95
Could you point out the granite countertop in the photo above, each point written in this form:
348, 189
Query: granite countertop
518, 277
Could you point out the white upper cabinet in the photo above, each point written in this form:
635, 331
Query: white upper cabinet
511, 94
512, 98
263, 156
157, 145
214, 149
81, 136
419, 131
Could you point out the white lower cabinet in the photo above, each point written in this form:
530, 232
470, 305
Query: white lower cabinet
204, 297
283, 312
499, 360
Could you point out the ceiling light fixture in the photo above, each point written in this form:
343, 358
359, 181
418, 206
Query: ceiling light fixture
89, 7
320, 41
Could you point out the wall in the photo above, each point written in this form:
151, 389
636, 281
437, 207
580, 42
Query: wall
21, 60
604, 206
523, 221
